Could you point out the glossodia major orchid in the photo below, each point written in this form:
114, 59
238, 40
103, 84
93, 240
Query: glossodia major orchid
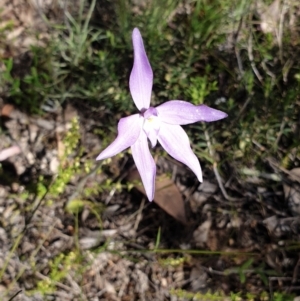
160, 124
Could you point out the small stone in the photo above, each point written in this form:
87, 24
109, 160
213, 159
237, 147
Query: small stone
44, 164
46, 124
143, 282
235, 222
205, 190
15, 186
30, 157
33, 132
54, 165
2, 192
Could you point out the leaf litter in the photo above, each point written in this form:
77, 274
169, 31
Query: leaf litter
116, 266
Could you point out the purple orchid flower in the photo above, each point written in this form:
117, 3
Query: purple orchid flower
160, 124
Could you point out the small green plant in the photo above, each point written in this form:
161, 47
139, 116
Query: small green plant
28, 88
209, 296
59, 268
13, 84
200, 87
197, 296
243, 270
77, 44
174, 262
69, 166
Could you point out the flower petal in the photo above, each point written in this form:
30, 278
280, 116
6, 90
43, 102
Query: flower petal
141, 77
9, 152
182, 112
176, 142
129, 129
145, 164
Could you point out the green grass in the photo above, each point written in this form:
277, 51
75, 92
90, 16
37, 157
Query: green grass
210, 52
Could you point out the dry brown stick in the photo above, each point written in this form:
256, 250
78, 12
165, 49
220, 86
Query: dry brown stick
295, 272
15, 295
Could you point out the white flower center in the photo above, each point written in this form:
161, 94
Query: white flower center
151, 125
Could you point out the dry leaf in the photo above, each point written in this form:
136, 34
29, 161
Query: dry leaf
6, 110
167, 195
271, 223
201, 233
269, 16
198, 278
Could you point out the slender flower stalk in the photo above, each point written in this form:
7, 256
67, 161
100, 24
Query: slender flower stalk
162, 124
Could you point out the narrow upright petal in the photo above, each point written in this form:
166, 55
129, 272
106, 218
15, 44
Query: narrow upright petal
141, 77
176, 142
182, 112
129, 129
145, 164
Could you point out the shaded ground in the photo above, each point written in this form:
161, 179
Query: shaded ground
71, 229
